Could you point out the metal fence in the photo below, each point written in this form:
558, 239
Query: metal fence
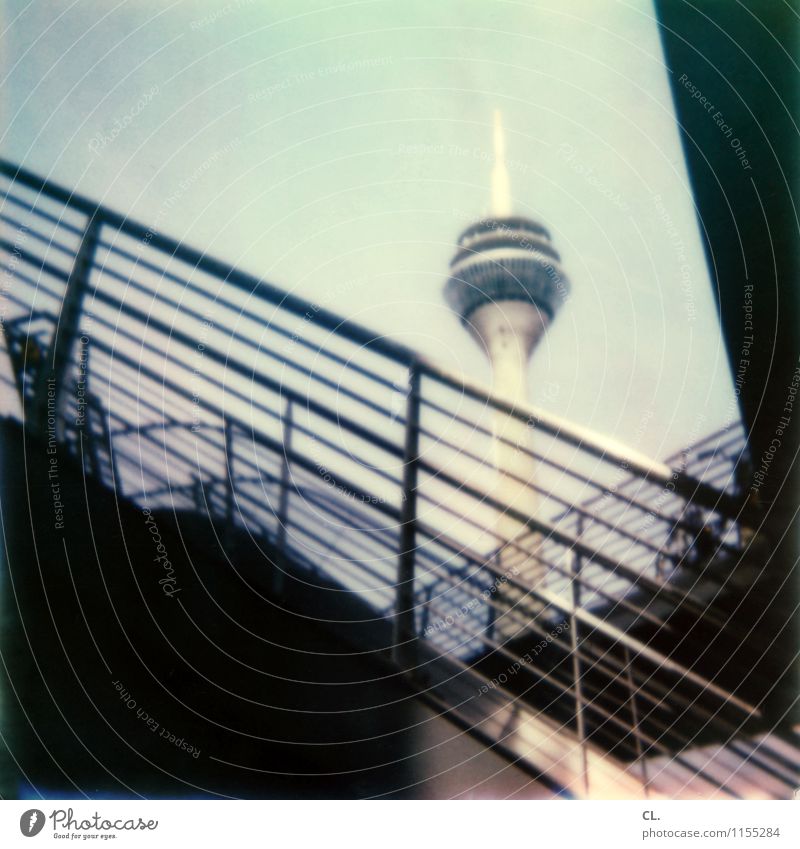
183, 383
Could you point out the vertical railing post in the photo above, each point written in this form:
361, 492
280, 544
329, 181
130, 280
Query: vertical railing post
279, 581
47, 397
576, 663
91, 410
227, 430
404, 630
198, 495
491, 616
108, 441
426, 613
635, 721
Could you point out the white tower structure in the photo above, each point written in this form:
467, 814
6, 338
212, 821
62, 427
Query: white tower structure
506, 284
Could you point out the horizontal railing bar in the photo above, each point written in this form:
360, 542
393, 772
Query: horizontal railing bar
712, 480
612, 666
231, 305
357, 510
785, 769
601, 447
48, 241
652, 742
542, 458
218, 446
146, 467
37, 263
7, 296
552, 533
322, 440
300, 460
551, 495
138, 469
581, 579
200, 259
263, 380
717, 434
386, 580
30, 317
613, 632
377, 534
239, 458
40, 213
605, 713
383, 572
42, 285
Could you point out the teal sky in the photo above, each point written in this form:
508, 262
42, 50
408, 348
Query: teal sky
338, 150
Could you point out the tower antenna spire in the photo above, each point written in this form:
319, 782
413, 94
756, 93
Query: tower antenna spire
501, 186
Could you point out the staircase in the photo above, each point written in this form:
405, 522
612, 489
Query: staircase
354, 472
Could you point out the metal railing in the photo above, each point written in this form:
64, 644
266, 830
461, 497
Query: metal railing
187, 384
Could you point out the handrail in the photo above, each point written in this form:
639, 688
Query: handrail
202, 261
596, 444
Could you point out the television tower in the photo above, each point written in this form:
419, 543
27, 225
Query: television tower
506, 285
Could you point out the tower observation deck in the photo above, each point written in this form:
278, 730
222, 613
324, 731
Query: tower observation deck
509, 258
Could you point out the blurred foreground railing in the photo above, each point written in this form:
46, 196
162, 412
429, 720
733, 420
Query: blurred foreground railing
185, 384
